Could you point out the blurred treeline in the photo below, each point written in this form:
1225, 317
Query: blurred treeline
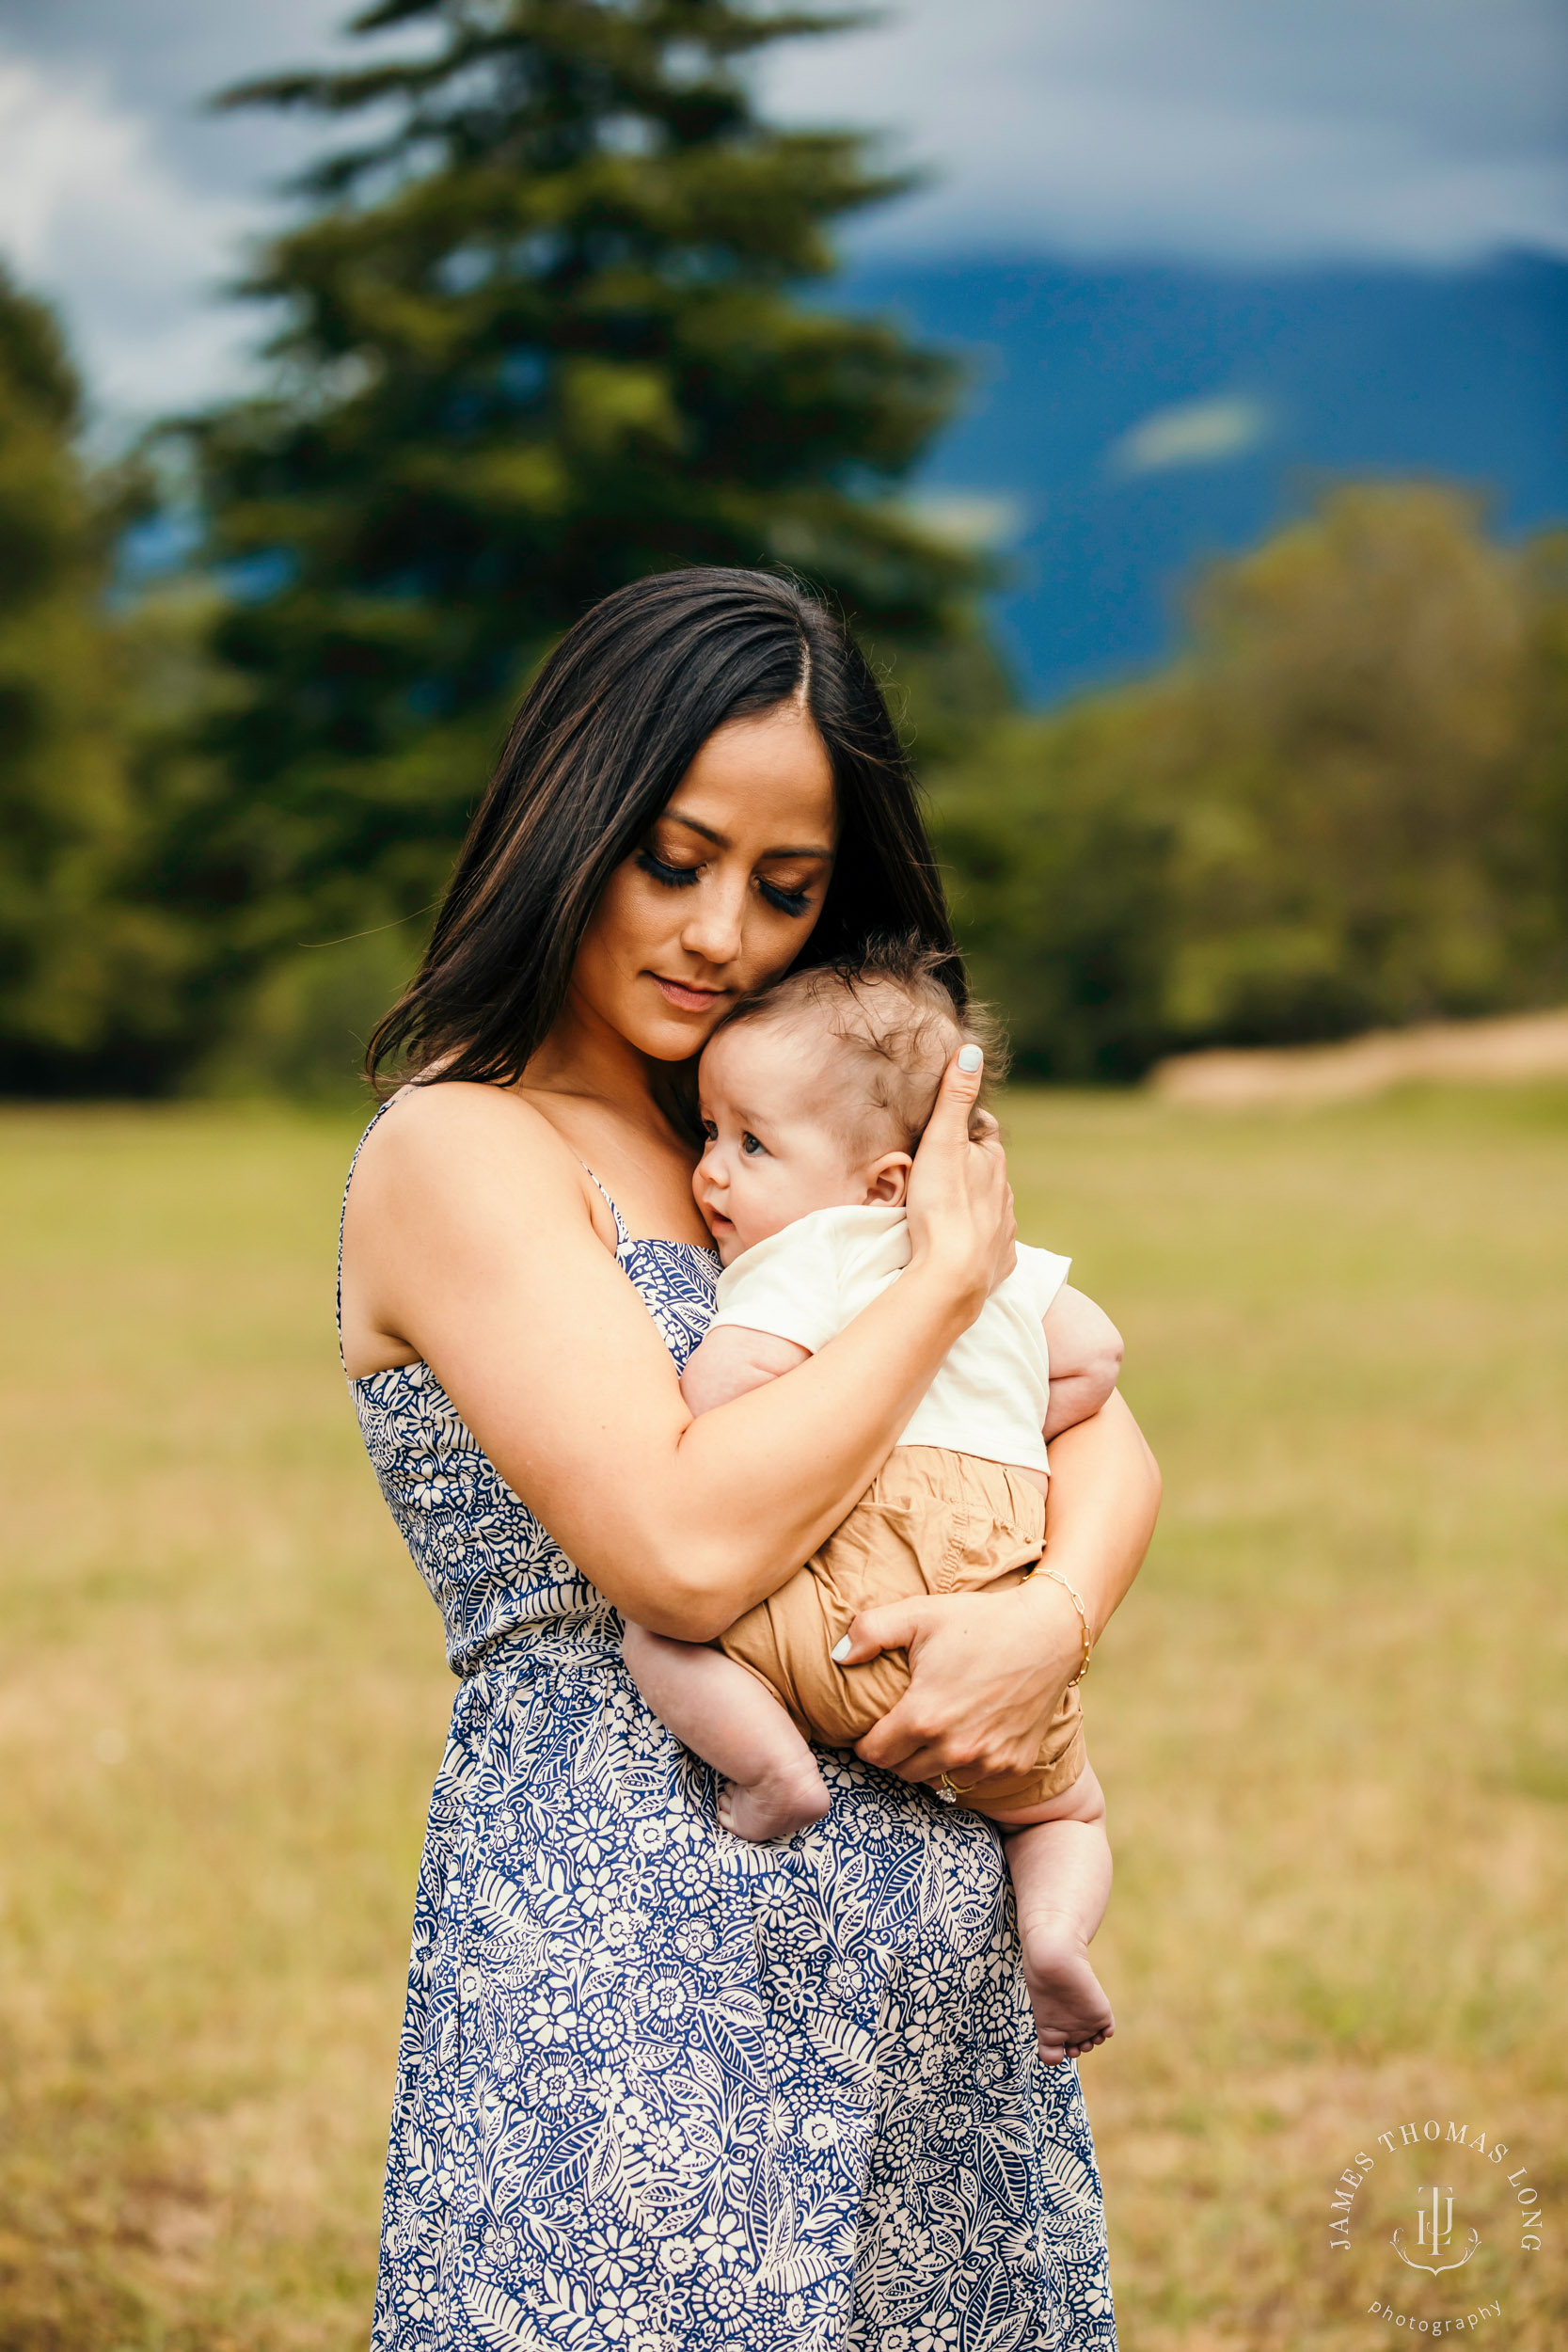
541, 331
1344, 805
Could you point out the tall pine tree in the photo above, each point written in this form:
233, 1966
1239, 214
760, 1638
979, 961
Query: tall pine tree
541, 337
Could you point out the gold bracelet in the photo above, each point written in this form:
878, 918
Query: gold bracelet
1057, 1578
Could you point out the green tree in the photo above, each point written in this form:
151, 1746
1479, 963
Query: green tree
1544, 728
1058, 838
1355, 720
93, 976
539, 336
1345, 806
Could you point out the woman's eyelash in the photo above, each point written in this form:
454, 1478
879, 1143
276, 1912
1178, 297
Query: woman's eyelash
673, 877
682, 878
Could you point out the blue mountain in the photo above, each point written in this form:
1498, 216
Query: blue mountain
1127, 422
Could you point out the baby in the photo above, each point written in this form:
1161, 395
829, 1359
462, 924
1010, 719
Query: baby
813, 1098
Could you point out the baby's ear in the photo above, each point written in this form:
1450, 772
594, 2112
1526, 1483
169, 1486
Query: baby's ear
887, 1181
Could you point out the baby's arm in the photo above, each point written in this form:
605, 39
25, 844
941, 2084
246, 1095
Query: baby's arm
732, 1359
1086, 1359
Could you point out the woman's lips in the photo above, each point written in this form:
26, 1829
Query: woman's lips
688, 999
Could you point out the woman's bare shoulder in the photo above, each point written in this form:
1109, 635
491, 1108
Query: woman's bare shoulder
463, 1193
448, 1142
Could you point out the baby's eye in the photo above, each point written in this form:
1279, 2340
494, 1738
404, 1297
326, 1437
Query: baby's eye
749, 1145
710, 1131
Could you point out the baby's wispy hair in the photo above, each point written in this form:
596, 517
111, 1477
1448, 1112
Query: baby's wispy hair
891, 1014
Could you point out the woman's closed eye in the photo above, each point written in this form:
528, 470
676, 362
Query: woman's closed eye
793, 902
673, 877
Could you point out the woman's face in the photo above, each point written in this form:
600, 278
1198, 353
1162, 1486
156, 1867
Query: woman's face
724, 891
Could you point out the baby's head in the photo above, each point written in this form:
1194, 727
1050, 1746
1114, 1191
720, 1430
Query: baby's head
814, 1094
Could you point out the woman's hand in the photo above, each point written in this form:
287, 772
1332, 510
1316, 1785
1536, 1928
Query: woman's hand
959, 1201
988, 1670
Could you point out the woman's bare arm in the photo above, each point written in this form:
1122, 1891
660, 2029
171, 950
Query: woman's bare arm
988, 1669
471, 1242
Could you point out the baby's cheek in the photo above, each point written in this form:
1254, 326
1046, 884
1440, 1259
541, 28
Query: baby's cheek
762, 1224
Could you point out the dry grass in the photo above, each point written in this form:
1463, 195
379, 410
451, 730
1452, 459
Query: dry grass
220, 1717
1334, 1720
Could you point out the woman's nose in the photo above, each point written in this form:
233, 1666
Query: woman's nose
713, 927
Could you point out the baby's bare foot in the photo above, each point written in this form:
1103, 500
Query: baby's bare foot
774, 1807
1071, 2012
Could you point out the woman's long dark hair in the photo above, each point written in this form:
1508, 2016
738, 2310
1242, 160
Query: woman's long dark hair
604, 735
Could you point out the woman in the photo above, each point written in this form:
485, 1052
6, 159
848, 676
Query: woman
658, 2088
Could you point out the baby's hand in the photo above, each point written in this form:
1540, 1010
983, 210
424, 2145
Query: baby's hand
732, 1360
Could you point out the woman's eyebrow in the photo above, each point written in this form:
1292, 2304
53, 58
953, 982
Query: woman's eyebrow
720, 841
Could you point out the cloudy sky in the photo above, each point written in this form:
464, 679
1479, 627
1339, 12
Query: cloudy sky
1259, 132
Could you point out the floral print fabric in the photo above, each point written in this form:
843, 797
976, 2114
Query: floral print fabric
661, 2090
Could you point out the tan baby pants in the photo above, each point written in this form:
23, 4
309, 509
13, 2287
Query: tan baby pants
931, 1522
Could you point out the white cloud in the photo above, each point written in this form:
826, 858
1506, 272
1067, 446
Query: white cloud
89, 211
1423, 131
969, 519
1196, 433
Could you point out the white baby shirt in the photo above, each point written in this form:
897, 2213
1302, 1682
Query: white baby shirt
990, 1396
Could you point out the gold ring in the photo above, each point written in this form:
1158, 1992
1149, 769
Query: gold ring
950, 1791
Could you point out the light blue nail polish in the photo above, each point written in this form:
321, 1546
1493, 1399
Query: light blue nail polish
840, 1652
970, 1057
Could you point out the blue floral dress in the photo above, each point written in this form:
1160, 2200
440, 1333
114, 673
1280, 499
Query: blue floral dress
662, 2089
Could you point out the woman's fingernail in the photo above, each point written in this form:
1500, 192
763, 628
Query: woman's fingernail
970, 1057
840, 1652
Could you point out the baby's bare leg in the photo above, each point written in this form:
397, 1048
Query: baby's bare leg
771, 1784
1060, 1860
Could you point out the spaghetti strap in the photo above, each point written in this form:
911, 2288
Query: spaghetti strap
342, 1211
623, 1237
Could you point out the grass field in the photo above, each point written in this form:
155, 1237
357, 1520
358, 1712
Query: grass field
1333, 1720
